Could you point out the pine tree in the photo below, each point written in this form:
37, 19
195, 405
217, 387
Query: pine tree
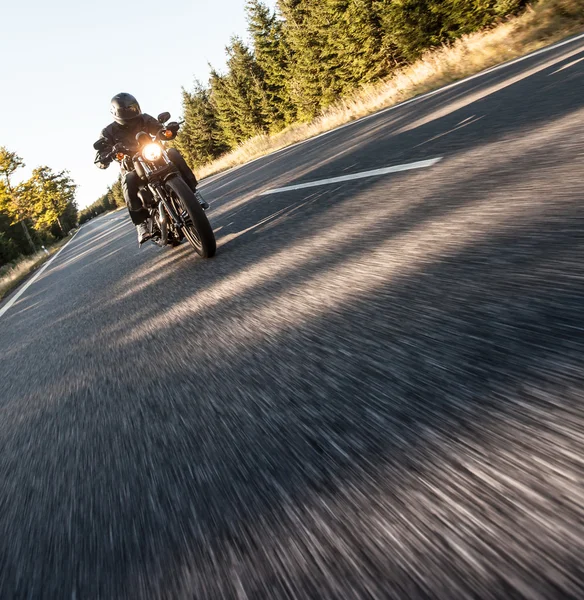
220, 98
239, 97
273, 55
412, 26
312, 82
308, 53
357, 39
200, 139
116, 194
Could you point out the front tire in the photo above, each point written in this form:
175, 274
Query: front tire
197, 228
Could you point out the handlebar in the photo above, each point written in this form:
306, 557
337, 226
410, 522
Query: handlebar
119, 147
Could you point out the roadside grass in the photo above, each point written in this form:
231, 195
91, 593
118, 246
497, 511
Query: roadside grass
15, 273
541, 24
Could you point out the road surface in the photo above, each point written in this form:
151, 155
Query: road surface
375, 390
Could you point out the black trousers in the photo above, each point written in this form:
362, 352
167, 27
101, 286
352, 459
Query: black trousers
131, 186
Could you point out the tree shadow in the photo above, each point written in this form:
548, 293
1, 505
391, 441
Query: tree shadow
264, 464
289, 238
401, 443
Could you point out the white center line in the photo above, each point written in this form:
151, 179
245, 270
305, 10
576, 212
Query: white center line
421, 164
567, 66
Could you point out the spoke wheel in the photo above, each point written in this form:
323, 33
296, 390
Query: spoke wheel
191, 232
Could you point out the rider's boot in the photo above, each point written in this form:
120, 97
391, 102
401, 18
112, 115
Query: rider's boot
143, 233
204, 204
192, 183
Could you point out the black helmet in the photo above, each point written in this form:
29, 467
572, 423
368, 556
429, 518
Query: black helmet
125, 108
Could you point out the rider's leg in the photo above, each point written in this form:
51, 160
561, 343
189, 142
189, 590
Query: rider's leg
177, 159
186, 173
138, 214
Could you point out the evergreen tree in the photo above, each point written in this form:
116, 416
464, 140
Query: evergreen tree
312, 73
357, 39
273, 55
116, 194
412, 26
239, 97
200, 139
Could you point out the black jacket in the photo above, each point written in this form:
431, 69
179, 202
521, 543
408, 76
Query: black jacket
126, 134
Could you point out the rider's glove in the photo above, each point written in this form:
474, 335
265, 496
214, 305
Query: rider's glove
101, 161
173, 126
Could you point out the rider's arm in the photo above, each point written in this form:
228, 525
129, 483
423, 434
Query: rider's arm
102, 158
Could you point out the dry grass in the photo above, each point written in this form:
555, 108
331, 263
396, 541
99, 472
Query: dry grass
543, 23
13, 274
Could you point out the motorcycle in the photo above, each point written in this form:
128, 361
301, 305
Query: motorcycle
174, 211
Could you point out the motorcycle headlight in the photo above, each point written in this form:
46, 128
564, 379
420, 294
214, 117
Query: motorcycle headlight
151, 152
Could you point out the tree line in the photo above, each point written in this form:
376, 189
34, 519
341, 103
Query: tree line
35, 212
112, 199
306, 54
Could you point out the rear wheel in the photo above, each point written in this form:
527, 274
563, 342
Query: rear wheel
197, 228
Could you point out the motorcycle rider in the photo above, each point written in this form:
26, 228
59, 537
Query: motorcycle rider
128, 121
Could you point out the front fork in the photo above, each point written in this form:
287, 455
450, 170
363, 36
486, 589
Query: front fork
165, 210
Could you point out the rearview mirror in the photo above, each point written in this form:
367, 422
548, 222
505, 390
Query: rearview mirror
163, 117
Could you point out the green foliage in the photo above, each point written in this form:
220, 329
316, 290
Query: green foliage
111, 200
9, 162
308, 53
309, 26
46, 197
412, 26
201, 138
115, 194
358, 42
8, 249
35, 211
12, 203
273, 56
240, 98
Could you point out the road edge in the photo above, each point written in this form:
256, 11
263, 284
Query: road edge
19, 291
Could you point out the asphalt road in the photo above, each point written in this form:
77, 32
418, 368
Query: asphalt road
375, 390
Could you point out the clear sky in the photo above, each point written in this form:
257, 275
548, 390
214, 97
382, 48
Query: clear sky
63, 60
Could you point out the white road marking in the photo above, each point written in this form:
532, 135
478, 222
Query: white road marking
567, 66
209, 180
461, 125
421, 164
34, 278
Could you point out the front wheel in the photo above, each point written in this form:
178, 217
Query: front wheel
197, 228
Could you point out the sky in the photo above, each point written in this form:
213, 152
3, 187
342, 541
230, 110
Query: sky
62, 61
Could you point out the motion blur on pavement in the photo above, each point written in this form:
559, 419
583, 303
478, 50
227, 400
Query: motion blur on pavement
373, 391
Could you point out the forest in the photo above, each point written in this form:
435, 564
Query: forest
33, 213
306, 54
